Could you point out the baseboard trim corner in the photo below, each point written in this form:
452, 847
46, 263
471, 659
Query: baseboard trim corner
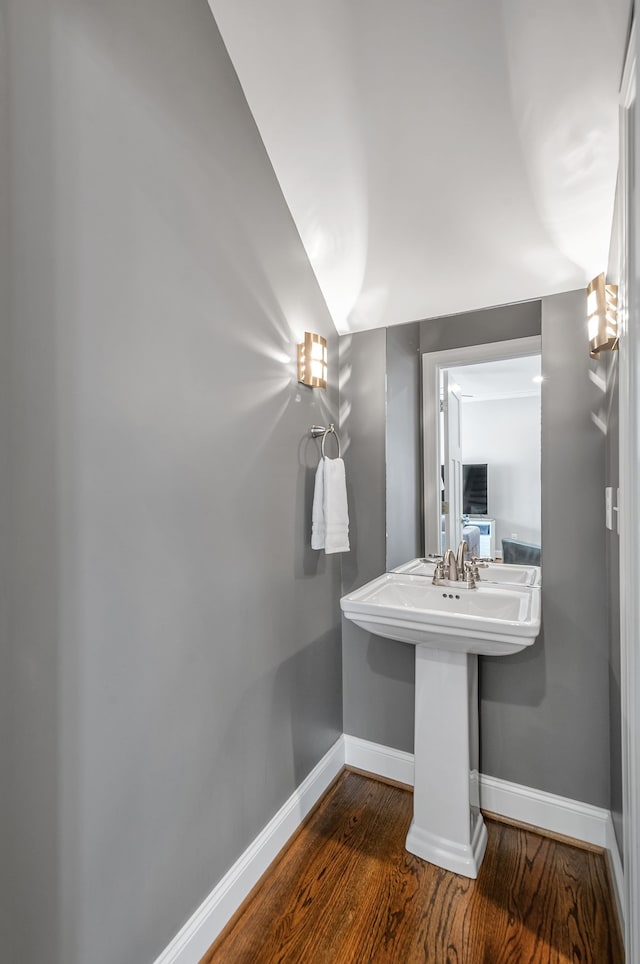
615, 867
383, 761
200, 931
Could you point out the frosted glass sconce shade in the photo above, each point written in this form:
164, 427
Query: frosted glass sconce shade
602, 316
312, 360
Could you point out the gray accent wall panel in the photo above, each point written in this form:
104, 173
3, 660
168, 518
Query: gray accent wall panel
610, 418
7, 906
378, 674
403, 445
545, 712
177, 642
607, 368
480, 327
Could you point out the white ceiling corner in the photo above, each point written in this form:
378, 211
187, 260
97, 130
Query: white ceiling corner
437, 156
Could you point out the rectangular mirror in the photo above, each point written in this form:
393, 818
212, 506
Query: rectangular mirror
481, 435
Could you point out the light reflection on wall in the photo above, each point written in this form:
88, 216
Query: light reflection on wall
602, 376
344, 378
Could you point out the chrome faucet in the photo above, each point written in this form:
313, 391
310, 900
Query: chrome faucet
454, 569
463, 548
450, 566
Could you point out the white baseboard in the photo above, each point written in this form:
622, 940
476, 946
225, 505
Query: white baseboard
384, 761
200, 931
545, 810
548, 811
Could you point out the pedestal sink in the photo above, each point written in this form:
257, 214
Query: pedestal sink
449, 626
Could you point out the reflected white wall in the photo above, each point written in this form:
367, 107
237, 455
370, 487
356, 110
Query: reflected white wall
505, 433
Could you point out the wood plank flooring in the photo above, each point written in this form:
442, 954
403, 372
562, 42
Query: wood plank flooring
345, 891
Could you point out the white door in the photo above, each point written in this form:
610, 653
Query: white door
452, 465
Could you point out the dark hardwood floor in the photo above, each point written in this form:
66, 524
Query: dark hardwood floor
346, 890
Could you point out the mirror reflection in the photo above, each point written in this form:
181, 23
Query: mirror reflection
489, 435
482, 453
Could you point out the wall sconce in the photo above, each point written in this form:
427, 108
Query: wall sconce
602, 316
312, 360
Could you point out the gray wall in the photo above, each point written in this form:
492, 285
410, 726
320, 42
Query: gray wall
405, 531
6, 689
480, 327
177, 643
607, 370
378, 674
610, 415
544, 712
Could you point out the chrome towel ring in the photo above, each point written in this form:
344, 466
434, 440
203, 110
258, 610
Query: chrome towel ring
318, 430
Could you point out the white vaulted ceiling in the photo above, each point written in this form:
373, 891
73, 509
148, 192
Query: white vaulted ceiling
437, 156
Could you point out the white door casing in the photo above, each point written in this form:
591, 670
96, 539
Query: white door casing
452, 462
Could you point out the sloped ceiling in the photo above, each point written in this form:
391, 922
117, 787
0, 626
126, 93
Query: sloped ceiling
437, 155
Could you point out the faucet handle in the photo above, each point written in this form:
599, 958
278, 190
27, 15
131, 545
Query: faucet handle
474, 569
438, 573
470, 575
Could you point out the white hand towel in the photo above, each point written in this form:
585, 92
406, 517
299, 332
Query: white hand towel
317, 512
330, 515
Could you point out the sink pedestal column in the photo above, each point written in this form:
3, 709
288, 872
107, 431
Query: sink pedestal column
447, 827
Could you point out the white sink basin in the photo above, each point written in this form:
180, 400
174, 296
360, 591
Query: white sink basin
489, 620
496, 572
